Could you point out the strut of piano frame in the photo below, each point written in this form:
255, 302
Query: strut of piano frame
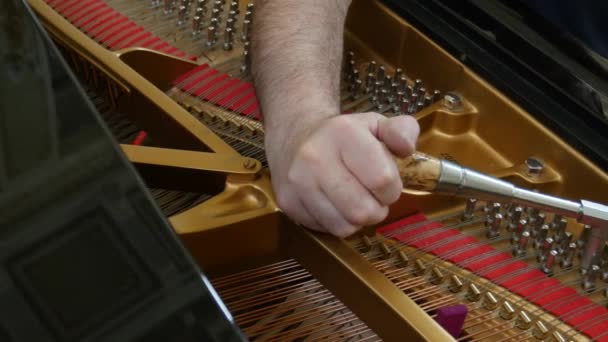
233, 227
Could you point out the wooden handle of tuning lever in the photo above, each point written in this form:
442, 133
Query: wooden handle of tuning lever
419, 171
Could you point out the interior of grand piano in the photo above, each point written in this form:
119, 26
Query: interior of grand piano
178, 98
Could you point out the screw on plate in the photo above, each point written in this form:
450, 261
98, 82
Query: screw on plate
249, 164
452, 101
534, 166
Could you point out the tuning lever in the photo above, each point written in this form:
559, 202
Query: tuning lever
426, 173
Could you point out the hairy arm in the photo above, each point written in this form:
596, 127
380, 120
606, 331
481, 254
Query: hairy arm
330, 172
297, 53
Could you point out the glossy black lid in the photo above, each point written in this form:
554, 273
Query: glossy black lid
85, 254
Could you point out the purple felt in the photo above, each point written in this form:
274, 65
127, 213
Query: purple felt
451, 318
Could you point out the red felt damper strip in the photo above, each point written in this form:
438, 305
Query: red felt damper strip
200, 90
84, 21
108, 35
108, 26
499, 267
134, 40
115, 41
101, 24
189, 74
213, 96
194, 83
234, 94
242, 102
82, 5
252, 111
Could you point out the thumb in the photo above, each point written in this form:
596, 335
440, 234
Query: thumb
399, 134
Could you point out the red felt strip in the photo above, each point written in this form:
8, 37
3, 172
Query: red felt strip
109, 27
517, 276
213, 95
193, 84
139, 139
114, 43
87, 19
190, 73
208, 85
234, 94
82, 5
133, 40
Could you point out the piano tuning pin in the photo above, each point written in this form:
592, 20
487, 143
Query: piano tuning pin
557, 336
469, 209
506, 311
564, 242
519, 230
245, 30
549, 262
419, 267
545, 248
473, 293
405, 106
568, 257
523, 321
437, 277
182, 14
168, 6
540, 331
456, 284
489, 301
196, 26
211, 35
560, 229
228, 33
493, 229
436, 96
370, 83
380, 74
539, 221
371, 67
402, 259
541, 236
589, 278
583, 238
514, 218
367, 244
521, 248
417, 85
385, 250
556, 221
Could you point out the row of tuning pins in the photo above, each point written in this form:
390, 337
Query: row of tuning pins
387, 92
530, 228
211, 14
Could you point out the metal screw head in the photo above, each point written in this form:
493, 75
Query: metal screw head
534, 166
452, 101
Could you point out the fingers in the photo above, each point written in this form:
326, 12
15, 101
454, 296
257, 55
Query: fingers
370, 162
355, 204
399, 133
330, 219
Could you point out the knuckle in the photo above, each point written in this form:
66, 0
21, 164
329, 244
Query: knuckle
360, 215
309, 153
384, 178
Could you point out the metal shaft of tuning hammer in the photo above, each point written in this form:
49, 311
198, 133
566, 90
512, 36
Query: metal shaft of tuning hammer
422, 172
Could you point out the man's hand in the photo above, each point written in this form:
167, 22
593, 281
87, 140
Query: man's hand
339, 174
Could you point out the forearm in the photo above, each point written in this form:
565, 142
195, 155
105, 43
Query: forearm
297, 54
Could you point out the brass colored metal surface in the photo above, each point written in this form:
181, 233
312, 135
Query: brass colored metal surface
205, 166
